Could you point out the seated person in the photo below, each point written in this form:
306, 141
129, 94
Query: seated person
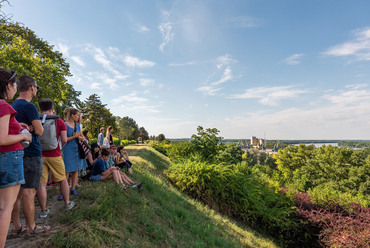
91, 159
100, 172
111, 162
122, 159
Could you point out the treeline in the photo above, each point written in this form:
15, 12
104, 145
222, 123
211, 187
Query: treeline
303, 196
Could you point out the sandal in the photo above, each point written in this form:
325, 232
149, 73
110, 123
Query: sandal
60, 198
74, 192
37, 230
16, 233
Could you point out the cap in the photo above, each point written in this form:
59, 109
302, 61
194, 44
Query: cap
113, 147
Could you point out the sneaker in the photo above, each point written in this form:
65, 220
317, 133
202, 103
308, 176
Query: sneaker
134, 185
70, 205
44, 213
140, 186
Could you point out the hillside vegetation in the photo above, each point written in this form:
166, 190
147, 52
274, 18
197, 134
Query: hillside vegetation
158, 216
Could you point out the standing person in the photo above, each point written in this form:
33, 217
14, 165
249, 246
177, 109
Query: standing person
108, 136
101, 137
53, 162
32, 161
11, 152
71, 155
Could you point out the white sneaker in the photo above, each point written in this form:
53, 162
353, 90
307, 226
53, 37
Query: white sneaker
44, 213
70, 205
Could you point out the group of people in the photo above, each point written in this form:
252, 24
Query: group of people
31, 152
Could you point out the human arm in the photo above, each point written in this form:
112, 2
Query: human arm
63, 137
8, 139
37, 127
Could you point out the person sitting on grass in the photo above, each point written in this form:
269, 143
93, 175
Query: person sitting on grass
122, 159
100, 172
111, 162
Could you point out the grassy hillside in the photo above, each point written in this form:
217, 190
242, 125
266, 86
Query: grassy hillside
158, 216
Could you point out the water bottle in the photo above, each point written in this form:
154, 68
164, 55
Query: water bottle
25, 143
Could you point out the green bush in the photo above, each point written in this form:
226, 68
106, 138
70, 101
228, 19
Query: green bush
180, 150
236, 190
93, 140
127, 142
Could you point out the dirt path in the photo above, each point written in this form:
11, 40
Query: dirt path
56, 208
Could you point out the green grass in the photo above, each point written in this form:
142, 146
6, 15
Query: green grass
158, 216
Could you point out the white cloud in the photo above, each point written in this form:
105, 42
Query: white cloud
167, 34
225, 60
359, 47
209, 90
143, 29
351, 97
78, 60
183, 64
270, 95
146, 81
226, 76
131, 61
293, 59
63, 48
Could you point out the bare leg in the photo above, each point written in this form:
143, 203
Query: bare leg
16, 221
42, 195
29, 207
64, 190
8, 197
126, 178
74, 180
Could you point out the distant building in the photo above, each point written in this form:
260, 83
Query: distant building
257, 143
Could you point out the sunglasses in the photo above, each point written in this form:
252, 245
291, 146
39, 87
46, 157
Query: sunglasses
36, 86
13, 76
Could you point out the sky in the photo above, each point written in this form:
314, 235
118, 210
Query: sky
272, 69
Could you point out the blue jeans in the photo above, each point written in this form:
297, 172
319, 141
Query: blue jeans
96, 178
11, 168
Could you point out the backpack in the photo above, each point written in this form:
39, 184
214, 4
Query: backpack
48, 139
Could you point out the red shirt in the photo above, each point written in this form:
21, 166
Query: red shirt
61, 126
14, 126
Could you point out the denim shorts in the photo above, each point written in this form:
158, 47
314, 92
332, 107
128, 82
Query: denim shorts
96, 178
32, 167
11, 168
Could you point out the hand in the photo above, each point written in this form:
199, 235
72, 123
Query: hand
30, 128
27, 136
24, 126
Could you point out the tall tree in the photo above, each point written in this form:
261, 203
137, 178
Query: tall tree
127, 128
22, 51
96, 115
143, 133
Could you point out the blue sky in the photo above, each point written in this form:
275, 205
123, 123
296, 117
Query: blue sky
275, 69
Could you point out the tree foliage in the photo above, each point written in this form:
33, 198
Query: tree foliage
22, 51
205, 143
96, 115
127, 128
143, 134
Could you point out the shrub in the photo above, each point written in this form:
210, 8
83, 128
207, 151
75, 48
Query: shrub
237, 191
335, 225
229, 153
180, 150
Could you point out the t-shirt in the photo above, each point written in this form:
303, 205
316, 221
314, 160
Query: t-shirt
98, 167
14, 126
26, 113
100, 139
111, 161
61, 126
